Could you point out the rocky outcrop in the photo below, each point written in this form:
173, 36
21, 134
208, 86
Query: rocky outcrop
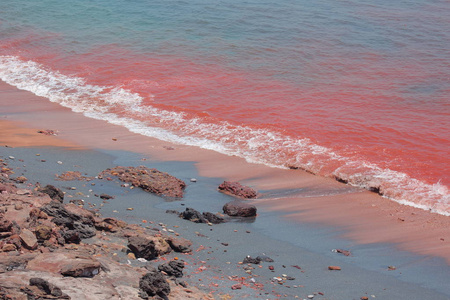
150, 180
40, 260
236, 189
239, 209
77, 223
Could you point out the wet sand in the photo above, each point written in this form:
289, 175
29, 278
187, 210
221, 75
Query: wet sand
291, 199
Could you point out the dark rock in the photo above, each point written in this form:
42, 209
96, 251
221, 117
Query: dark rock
173, 268
193, 216
70, 237
236, 189
239, 209
345, 252
172, 211
53, 192
250, 260
153, 283
150, 180
106, 196
142, 247
5, 225
46, 288
264, 258
78, 223
213, 218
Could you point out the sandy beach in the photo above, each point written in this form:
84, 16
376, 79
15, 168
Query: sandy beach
301, 217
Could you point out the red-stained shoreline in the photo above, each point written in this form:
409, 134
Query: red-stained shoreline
365, 217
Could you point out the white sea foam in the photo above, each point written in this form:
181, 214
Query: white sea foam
124, 108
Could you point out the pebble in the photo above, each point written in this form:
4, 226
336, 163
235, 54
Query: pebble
59, 162
310, 296
11, 157
334, 268
130, 208
193, 180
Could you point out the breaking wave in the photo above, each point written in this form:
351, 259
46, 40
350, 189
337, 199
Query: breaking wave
125, 108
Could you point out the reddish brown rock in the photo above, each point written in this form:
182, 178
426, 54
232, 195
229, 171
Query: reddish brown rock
150, 180
65, 263
236, 189
28, 239
334, 268
20, 179
71, 176
239, 209
179, 244
81, 268
148, 247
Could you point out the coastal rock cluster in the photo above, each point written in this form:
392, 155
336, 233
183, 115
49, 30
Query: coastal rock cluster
53, 250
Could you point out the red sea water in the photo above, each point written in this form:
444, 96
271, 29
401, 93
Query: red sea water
355, 91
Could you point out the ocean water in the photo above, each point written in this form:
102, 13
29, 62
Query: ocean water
355, 90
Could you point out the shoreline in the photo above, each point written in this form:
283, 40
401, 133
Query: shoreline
300, 198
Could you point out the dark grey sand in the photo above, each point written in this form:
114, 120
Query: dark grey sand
218, 249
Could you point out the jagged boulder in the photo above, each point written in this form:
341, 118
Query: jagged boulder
172, 268
154, 284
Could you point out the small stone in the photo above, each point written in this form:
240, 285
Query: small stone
11, 157
131, 255
236, 286
130, 208
334, 268
18, 206
59, 162
271, 268
364, 298
392, 268
193, 180
310, 296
